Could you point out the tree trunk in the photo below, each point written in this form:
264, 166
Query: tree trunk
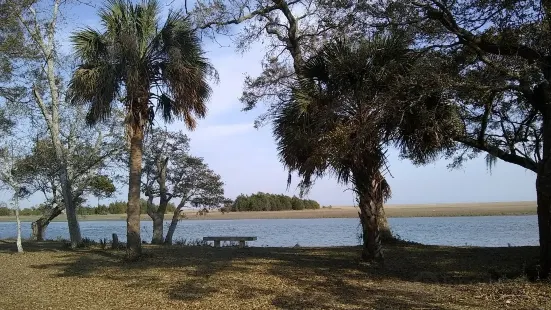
134, 244
158, 216
19, 244
372, 249
544, 224
369, 187
384, 228
39, 226
54, 127
158, 223
173, 224
543, 191
70, 210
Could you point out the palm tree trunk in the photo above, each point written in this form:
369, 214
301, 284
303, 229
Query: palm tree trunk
134, 244
372, 248
369, 189
384, 228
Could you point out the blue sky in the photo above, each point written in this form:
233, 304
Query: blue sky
246, 158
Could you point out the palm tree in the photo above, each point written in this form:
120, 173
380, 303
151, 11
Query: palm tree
147, 66
344, 114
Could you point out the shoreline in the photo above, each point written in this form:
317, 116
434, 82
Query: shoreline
392, 211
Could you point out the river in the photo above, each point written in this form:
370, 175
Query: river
493, 231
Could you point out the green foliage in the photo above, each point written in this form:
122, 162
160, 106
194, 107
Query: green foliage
312, 204
143, 206
117, 207
170, 208
297, 204
135, 51
270, 202
34, 211
102, 186
325, 127
101, 210
5, 211
85, 210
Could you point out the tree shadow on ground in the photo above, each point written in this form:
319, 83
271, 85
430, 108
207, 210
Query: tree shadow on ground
9, 246
306, 277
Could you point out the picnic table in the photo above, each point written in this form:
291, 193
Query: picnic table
242, 240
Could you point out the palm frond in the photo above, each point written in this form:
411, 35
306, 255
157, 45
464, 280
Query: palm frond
183, 68
161, 69
114, 16
97, 86
89, 44
335, 121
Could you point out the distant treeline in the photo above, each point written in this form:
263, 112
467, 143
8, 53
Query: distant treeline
39, 210
117, 207
270, 202
255, 202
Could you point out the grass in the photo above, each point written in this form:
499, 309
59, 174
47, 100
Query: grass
48, 276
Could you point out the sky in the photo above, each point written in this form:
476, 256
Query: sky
247, 160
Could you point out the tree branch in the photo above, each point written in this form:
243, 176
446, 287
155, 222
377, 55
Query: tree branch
445, 17
524, 162
43, 108
242, 18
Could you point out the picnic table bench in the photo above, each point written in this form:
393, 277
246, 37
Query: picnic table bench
217, 240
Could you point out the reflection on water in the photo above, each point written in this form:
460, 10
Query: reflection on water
458, 231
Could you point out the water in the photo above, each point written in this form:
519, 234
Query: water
456, 231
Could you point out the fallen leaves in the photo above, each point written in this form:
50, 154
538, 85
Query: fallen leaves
414, 277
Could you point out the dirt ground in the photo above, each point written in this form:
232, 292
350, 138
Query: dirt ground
48, 276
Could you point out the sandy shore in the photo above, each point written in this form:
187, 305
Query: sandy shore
413, 210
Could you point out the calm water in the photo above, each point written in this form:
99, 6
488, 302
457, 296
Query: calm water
475, 231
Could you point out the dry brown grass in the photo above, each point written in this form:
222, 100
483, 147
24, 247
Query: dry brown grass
414, 277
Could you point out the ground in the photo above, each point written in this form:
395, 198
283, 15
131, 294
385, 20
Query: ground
412, 210
48, 276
